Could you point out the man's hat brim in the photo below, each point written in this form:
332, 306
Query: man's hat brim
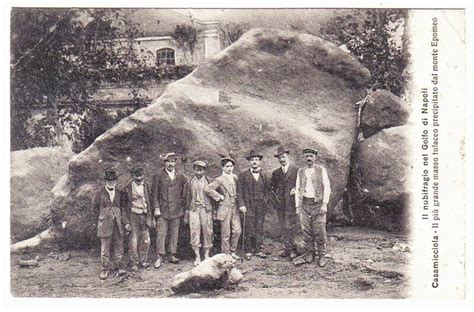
252, 156
278, 154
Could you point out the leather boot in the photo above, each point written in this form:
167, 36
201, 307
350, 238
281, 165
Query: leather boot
322, 255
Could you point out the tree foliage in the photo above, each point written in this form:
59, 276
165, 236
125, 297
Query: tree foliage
186, 36
377, 38
64, 56
235, 31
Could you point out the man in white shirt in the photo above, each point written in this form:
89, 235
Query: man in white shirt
313, 191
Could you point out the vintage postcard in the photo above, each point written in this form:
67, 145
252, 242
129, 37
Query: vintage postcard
238, 153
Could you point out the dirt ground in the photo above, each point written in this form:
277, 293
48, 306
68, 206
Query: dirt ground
362, 264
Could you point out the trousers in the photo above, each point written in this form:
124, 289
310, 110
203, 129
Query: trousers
139, 243
201, 221
289, 225
165, 227
230, 231
116, 241
313, 223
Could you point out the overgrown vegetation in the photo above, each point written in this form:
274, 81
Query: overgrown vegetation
60, 59
377, 38
186, 37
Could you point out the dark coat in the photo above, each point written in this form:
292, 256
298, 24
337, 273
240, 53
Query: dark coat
108, 213
245, 190
127, 202
282, 184
168, 196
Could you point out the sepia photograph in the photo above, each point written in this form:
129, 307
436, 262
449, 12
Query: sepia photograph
237, 152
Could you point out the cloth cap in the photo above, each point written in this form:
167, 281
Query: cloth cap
310, 150
199, 163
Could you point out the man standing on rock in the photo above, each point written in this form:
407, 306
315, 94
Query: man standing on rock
312, 196
283, 187
253, 189
108, 208
168, 194
137, 202
199, 211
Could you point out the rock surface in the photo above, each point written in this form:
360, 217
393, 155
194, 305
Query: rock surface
271, 87
216, 272
382, 163
383, 110
33, 174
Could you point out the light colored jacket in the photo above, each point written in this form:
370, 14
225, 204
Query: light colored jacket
221, 186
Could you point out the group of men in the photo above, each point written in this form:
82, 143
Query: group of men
238, 202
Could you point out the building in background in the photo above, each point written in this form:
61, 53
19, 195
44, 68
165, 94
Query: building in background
157, 45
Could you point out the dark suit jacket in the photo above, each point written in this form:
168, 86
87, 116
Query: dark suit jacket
281, 186
245, 190
167, 195
127, 202
108, 213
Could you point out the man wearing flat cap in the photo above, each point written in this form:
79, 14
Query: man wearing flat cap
137, 199
168, 195
283, 187
111, 216
253, 190
312, 196
199, 209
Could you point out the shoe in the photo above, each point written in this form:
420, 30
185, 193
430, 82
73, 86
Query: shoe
174, 260
322, 261
145, 265
104, 274
234, 255
121, 272
284, 253
248, 256
261, 255
197, 261
134, 268
158, 262
309, 257
293, 255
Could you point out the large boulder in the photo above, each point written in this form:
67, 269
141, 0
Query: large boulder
33, 174
271, 87
382, 163
214, 273
382, 110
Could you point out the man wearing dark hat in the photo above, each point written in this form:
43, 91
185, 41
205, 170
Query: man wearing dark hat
137, 197
198, 214
168, 195
283, 187
253, 189
312, 196
111, 217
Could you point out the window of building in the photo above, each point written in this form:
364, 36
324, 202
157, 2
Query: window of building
165, 57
